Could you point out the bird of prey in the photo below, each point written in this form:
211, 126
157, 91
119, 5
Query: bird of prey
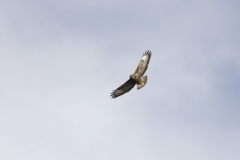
135, 78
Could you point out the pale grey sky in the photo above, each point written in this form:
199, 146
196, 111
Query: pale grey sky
60, 60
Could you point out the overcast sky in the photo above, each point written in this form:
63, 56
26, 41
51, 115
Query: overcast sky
60, 60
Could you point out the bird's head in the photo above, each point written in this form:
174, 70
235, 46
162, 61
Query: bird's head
133, 76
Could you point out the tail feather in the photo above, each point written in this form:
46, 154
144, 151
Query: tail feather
142, 82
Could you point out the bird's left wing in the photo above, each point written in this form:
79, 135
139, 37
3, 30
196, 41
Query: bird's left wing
143, 64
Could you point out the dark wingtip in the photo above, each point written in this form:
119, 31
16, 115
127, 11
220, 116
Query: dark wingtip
112, 95
149, 53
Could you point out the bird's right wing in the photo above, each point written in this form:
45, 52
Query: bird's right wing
126, 87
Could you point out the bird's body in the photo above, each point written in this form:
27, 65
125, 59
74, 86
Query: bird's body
135, 78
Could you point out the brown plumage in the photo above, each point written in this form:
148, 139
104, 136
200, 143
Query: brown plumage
135, 78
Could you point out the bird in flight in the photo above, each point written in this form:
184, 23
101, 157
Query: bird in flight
135, 78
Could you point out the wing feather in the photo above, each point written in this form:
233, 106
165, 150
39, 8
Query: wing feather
143, 64
126, 87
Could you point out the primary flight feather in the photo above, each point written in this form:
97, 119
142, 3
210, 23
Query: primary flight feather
135, 78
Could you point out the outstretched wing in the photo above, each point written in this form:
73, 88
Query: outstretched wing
143, 64
126, 87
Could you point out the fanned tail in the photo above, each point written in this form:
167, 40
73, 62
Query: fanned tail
142, 82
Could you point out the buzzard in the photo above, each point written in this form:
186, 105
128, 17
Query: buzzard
135, 78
